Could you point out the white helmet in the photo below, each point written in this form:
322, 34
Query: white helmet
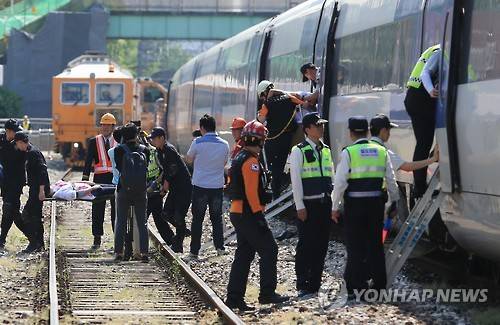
263, 85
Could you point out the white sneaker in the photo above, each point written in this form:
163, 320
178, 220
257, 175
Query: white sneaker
221, 252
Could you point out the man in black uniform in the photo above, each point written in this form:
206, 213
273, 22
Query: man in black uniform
177, 182
39, 186
359, 180
12, 161
97, 154
278, 111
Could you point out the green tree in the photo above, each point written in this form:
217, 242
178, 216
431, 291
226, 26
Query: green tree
10, 103
124, 52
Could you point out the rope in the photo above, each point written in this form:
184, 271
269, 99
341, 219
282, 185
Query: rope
284, 129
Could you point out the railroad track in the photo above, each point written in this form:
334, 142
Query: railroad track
87, 286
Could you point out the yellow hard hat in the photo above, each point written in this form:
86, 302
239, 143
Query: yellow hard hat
108, 118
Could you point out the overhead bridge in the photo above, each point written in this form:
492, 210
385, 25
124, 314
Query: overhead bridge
155, 19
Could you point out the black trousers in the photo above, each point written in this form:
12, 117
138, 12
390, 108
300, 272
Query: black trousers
174, 211
314, 234
203, 197
364, 218
10, 212
32, 219
276, 153
253, 235
99, 207
155, 208
422, 110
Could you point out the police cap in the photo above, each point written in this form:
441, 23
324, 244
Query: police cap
312, 118
157, 132
13, 125
381, 121
21, 136
358, 124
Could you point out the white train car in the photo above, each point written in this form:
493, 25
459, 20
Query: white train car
366, 50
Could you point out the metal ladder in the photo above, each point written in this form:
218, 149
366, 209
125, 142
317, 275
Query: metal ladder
413, 228
272, 209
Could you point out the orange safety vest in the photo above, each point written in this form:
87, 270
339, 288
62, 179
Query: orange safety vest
104, 164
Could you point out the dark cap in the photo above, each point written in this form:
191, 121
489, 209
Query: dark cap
312, 118
303, 69
157, 132
21, 136
381, 121
358, 124
13, 125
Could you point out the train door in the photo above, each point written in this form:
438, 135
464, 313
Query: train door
253, 74
438, 28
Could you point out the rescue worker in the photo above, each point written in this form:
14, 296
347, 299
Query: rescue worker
13, 162
311, 73
97, 154
278, 111
420, 105
246, 191
359, 179
26, 123
176, 181
311, 172
236, 128
39, 187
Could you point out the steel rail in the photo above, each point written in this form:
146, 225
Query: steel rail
54, 303
211, 297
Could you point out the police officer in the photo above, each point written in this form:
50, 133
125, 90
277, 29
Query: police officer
176, 181
39, 187
359, 180
278, 111
26, 123
13, 162
420, 105
97, 154
311, 171
248, 198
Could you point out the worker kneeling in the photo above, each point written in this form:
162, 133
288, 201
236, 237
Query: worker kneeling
248, 198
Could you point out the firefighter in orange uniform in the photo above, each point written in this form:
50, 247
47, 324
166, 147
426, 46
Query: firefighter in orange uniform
236, 129
248, 198
97, 154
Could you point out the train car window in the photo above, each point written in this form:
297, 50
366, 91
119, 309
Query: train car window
74, 93
378, 59
151, 94
109, 93
482, 42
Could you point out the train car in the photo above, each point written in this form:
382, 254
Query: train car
366, 50
91, 86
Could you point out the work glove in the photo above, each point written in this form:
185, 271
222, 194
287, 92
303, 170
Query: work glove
261, 221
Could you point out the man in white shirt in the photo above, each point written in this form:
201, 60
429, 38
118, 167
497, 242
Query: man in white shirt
380, 129
209, 155
311, 171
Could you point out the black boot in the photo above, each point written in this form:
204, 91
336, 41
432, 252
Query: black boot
97, 243
240, 305
274, 298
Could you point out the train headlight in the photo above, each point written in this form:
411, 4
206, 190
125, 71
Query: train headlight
76, 145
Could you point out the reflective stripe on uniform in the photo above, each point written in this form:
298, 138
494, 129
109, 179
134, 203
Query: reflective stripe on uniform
414, 80
104, 163
364, 194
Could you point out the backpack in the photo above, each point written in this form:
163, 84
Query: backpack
134, 171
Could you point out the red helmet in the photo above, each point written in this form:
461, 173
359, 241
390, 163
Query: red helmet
238, 123
254, 130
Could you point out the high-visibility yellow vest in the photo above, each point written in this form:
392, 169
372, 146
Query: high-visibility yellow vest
415, 80
367, 169
153, 167
316, 171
